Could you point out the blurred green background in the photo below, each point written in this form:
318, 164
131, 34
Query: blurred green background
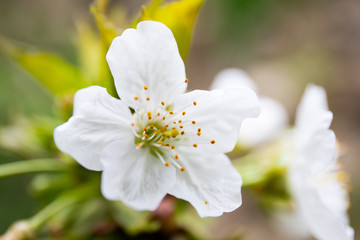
283, 45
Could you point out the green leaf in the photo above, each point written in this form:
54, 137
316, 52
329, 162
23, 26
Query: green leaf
91, 56
106, 27
179, 16
51, 70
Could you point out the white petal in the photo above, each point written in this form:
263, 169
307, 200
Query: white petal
315, 143
271, 121
98, 120
323, 223
146, 56
313, 112
232, 78
219, 114
318, 151
135, 176
210, 183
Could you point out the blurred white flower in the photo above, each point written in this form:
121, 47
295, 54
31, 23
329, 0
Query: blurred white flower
272, 119
172, 142
315, 176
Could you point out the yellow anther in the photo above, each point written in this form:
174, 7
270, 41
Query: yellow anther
194, 145
167, 144
176, 156
198, 133
180, 126
166, 125
171, 112
186, 80
182, 133
145, 135
166, 164
145, 129
163, 118
182, 169
183, 113
133, 124
212, 141
199, 129
155, 132
180, 121
149, 117
147, 99
151, 126
158, 114
206, 202
174, 122
172, 147
136, 98
163, 103
138, 145
193, 122
194, 103
146, 88
160, 142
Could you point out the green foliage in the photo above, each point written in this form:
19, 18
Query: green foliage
107, 28
53, 72
179, 16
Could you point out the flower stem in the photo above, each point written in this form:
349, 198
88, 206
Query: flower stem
30, 166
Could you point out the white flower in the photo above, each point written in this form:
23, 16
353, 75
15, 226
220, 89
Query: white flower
272, 119
173, 142
315, 176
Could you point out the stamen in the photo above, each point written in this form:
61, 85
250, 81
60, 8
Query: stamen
199, 129
182, 133
183, 113
147, 99
145, 135
195, 145
182, 169
139, 145
151, 126
176, 156
186, 80
206, 202
194, 103
145, 129
180, 126
172, 147
163, 118
171, 112
160, 142
167, 144
133, 124
193, 122
198, 133
158, 114
163, 103
180, 121
212, 141
145, 87
136, 98
162, 159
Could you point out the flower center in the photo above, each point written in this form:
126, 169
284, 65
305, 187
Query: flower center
161, 130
